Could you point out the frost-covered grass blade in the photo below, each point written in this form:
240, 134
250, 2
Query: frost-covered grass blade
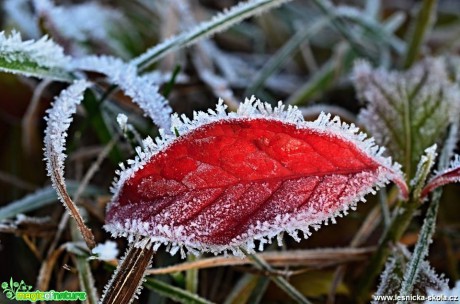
58, 121
143, 90
41, 58
205, 29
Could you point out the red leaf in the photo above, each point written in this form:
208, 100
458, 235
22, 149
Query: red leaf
228, 180
448, 176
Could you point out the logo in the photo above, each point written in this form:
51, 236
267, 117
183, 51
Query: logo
20, 291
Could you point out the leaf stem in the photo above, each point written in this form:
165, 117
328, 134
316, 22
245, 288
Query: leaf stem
128, 276
429, 224
421, 248
280, 281
191, 276
390, 236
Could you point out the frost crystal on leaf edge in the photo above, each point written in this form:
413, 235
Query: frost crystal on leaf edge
43, 52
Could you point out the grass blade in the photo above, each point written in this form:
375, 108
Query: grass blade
421, 248
322, 80
259, 291
427, 231
424, 22
32, 69
174, 293
218, 23
329, 10
284, 53
42, 198
41, 58
243, 289
278, 280
191, 276
84, 271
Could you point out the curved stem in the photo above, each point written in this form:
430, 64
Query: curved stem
128, 277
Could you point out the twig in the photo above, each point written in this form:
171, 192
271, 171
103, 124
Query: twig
313, 258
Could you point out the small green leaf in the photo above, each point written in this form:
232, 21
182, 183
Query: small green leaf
407, 111
423, 170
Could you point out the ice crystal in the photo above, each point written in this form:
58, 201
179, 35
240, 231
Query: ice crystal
142, 89
407, 111
122, 120
106, 251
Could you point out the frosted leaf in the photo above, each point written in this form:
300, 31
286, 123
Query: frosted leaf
141, 89
58, 121
82, 23
407, 111
41, 58
106, 251
392, 277
242, 177
447, 176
